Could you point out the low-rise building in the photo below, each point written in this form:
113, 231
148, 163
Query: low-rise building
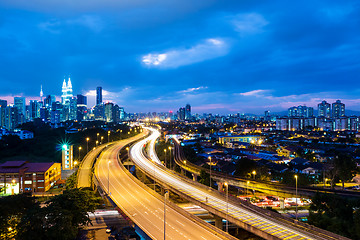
22, 176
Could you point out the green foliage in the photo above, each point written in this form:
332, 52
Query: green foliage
59, 218
12, 208
336, 214
71, 181
204, 178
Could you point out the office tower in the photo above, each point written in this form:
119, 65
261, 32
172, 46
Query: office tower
19, 103
67, 92
181, 114
338, 109
34, 109
41, 93
98, 111
72, 108
187, 112
56, 113
49, 100
122, 114
324, 109
11, 118
109, 108
98, 95
3, 104
81, 107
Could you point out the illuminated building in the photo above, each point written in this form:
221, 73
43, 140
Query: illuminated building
324, 109
22, 176
67, 157
98, 95
338, 109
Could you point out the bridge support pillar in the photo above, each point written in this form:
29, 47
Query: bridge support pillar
218, 222
162, 191
220, 186
194, 177
282, 203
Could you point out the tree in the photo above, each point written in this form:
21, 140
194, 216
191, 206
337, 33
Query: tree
344, 167
61, 216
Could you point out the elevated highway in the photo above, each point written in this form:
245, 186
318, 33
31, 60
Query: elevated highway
146, 208
258, 221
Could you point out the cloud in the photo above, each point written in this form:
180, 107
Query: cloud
249, 23
209, 49
192, 89
254, 92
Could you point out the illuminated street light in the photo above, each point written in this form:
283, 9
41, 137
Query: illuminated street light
165, 157
247, 187
97, 136
227, 206
254, 172
210, 171
170, 157
87, 145
296, 211
79, 152
97, 142
101, 139
108, 136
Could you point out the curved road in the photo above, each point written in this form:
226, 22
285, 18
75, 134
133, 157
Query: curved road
213, 200
144, 209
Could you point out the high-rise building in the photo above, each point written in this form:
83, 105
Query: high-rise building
338, 109
181, 114
19, 103
122, 114
324, 109
11, 117
49, 100
81, 107
67, 92
109, 112
72, 108
3, 104
98, 95
187, 112
300, 111
34, 109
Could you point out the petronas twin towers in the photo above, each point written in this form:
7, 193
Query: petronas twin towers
67, 92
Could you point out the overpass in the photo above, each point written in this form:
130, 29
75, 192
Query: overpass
268, 188
266, 224
156, 216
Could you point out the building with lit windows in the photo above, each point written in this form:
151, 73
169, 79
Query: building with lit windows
22, 176
338, 109
67, 157
324, 109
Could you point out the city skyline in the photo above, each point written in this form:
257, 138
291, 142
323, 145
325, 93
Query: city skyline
220, 57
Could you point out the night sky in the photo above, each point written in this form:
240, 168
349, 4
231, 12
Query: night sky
157, 55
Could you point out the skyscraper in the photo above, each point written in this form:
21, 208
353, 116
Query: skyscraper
324, 109
187, 112
67, 92
338, 109
19, 103
81, 107
98, 95
3, 104
181, 114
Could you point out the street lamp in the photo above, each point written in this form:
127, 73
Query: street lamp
97, 136
165, 198
79, 152
170, 157
254, 172
165, 157
97, 142
210, 171
101, 139
227, 206
108, 136
296, 201
109, 178
87, 144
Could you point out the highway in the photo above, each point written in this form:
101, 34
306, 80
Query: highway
84, 172
144, 207
212, 199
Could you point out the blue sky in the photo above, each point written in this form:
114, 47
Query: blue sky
219, 56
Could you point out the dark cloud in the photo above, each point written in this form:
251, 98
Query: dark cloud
287, 53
